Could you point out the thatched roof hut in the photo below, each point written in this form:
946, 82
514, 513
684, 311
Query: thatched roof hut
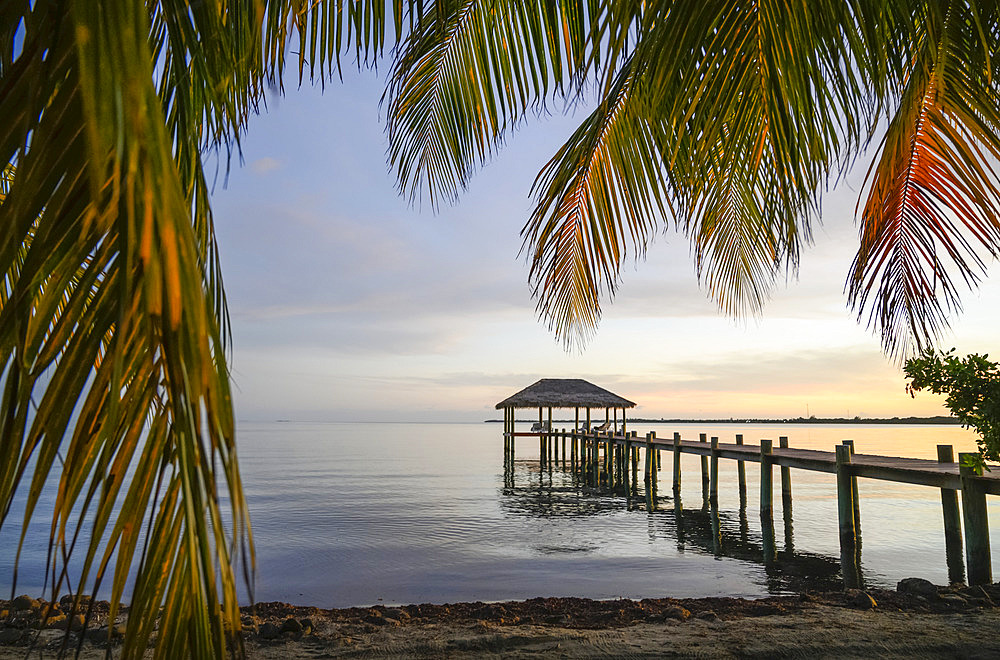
564, 393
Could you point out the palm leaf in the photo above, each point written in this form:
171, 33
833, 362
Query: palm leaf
601, 187
112, 313
933, 195
737, 114
470, 69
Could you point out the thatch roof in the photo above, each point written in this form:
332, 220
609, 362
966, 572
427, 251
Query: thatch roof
564, 393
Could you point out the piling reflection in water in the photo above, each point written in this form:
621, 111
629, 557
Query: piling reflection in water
530, 491
608, 463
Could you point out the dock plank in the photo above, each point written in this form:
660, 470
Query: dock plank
919, 471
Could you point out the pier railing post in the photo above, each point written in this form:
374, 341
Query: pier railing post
786, 481
952, 522
845, 516
595, 465
857, 498
713, 494
650, 474
767, 501
977, 529
705, 485
677, 464
741, 473
626, 452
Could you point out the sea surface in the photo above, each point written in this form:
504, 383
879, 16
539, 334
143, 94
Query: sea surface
349, 514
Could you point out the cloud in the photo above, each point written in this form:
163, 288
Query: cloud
265, 165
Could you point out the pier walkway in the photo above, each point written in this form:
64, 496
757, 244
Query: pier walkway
612, 460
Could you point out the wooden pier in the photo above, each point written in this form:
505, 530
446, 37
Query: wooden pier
612, 460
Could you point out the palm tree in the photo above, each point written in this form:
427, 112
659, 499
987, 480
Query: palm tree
723, 119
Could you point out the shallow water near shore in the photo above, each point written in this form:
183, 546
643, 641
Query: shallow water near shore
349, 514
357, 514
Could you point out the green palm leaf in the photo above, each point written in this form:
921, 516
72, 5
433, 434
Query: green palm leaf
113, 322
467, 73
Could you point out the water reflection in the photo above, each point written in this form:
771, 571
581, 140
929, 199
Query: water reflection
531, 491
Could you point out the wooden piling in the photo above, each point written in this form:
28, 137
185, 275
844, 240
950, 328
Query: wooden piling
713, 495
635, 460
766, 501
952, 522
623, 450
857, 498
786, 481
977, 528
741, 473
705, 479
595, 466
549, 440
541, 438
845, 498
650, 468
677, 464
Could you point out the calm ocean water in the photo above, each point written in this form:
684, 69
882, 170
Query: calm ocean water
357, 514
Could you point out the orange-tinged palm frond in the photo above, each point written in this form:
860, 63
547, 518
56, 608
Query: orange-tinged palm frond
737, 114
933, 194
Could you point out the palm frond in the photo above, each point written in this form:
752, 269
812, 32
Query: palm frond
469, 71
933, 195
601, 191
109, 322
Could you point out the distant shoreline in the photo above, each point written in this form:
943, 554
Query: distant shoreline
938, 419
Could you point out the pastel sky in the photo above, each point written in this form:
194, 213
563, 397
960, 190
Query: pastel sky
348, 304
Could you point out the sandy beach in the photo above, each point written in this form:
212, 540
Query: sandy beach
955, 622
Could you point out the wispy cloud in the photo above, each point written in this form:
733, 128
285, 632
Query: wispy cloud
265, 165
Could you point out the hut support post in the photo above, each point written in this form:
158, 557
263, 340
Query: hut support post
513, 416
977, 529
624, 428
549, 440
741, 473
767, 501
952, 522
541, 438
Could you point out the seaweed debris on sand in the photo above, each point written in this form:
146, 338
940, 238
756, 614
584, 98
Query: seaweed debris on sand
911, 621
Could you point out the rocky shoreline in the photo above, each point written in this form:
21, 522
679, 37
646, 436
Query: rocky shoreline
518, 627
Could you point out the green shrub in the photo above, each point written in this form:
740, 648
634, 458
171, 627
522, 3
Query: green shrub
972, 386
